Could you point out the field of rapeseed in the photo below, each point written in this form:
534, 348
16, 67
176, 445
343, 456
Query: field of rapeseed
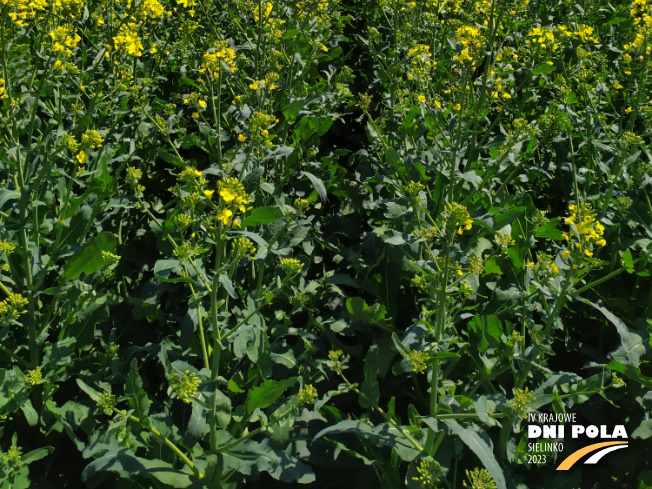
344, 243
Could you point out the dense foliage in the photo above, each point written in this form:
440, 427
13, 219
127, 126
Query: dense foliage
346, 243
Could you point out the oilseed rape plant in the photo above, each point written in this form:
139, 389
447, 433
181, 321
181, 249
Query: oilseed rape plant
250, 243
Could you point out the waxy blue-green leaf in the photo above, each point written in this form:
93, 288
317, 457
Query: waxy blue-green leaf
319, 185
251, 457
125, 463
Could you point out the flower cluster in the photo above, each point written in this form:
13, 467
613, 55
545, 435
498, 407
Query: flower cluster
12, 305
271, 23
106, 403
128, 40
545, 266
521, 401
334, 359
585, 230
316, 9
133, 177
418, 359
641, 12
307, 395
33, 377
421, 62
233, 197
479, 479
244, 247
429, 474
92, 139
7, 247
151, 8
472, 42
542, 38
65, 39
20, 11
214, 57
292, 265
184, 386
457, 216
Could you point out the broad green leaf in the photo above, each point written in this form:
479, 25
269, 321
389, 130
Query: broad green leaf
472, 438
628, 261
631, 373
126, 464
319, 185
631, 344
360, 311
196, 425
250, 457
266, 393
384, 435
370, 390
6, 194
549, 230
392, 157
37, 454
92, 393
261, 215
76, 231
90, 259
485, 331
543, 68
138, 399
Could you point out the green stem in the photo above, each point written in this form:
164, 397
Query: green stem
202, 338
387, 417
16, 358
167, 441
606, 277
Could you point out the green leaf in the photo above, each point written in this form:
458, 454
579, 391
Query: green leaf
360, 311
90, 259
92, 393
76, 231
6, 194
472, 438
543, 68
163, 269
628, 261
127, 465
319, 185
631, 344
250, 457
370, 390
261, 215
37, 454
266, 393
392, 157
631, 373
549, 230
138, 400
485, 331
384, 435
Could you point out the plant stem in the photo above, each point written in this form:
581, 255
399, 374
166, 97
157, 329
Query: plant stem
167, 441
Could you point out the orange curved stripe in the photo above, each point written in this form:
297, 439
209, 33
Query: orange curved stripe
575, 456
